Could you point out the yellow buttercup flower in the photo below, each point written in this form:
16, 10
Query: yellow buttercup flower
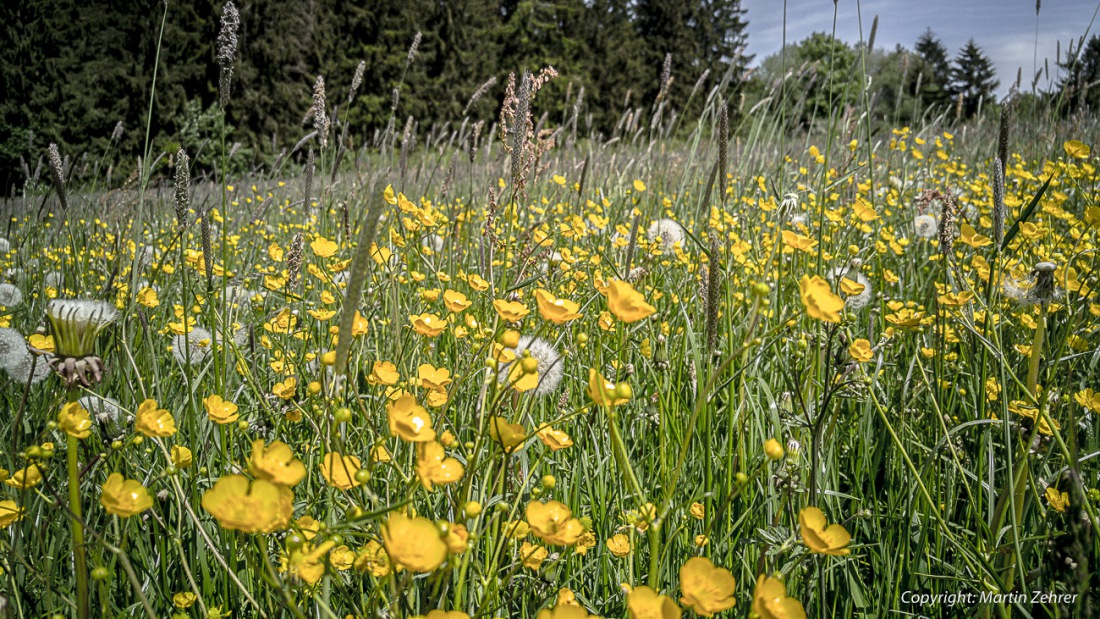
184, 599
433, 378
626, 303
477, 282
26, 478
510, 435
339, 471
532, 555
147, 296
428, 325
124, 497
1058, 500
819, 300
152, 421
43, 343
275, 463
409, 420
323, 248
554, 439
457, 538
850, 287
563, 611
74, 420
433, 466
258, 506
181, 456
285, 389
307, 561
698, 510
829, 540
770, 601
455, 302
619, 544
1089, 399
9, 512
772, 449
860, 350
797, 241
557, 310
1077, 149
220, 411
414, 543
553, 523
444, 614
510, 311
372, 559
603, 392
707, 589
383, 373
645, 603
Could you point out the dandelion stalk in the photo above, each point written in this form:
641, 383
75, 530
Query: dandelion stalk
80, 561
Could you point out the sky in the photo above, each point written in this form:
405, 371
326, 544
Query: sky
1004, 29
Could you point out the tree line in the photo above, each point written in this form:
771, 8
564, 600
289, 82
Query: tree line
80, 73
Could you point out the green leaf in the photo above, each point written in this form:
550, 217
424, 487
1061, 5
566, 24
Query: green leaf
1015, 229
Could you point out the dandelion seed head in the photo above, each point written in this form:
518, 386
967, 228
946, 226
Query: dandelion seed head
97, 313
5, 245
858, 301
926, 226
12, 348
29, 368
551, 367
192, 348
667, 232
107, 413
10, 295
433, 242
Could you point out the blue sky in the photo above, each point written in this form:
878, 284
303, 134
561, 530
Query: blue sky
1004, 29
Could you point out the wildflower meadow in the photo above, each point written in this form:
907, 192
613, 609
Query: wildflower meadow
718, 359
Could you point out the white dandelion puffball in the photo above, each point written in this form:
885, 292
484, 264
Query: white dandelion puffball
859, 301
107, 413
667, 231
97, 313
434, 242
194, 347
145, 256
30, 368
5, 245
550, 368
10, 296
12, 348
238, 295
53, 279
926, 226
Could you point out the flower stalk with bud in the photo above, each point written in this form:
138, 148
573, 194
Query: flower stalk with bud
76, 324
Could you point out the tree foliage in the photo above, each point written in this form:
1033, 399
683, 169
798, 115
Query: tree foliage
72, 71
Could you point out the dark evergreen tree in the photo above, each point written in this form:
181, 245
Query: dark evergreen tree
1080, 84
973, 78
936, 67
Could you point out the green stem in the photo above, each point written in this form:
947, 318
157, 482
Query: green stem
80, 561
618, 448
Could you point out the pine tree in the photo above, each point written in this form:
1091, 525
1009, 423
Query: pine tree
936, 66
1080, 86
973, 78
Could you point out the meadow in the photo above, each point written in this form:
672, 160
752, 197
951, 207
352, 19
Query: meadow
511, 369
